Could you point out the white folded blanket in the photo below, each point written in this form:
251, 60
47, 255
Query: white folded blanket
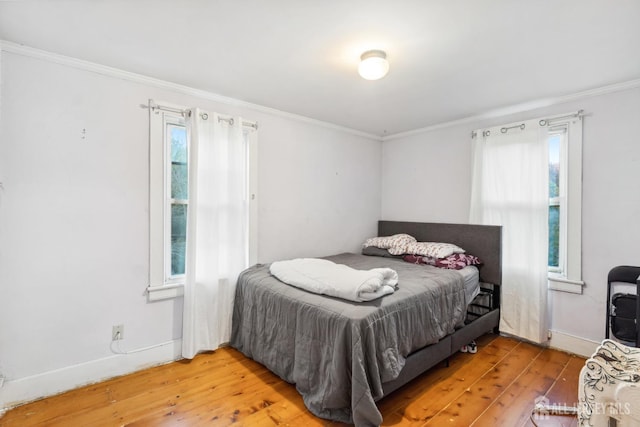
322, 276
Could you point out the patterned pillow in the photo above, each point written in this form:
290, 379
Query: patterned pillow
433, 249
419, 259
397, 244
452, 262
458, 261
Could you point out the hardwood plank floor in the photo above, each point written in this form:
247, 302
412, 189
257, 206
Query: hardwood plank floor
495, 387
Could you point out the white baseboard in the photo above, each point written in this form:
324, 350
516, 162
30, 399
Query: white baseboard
572, 344
27, 389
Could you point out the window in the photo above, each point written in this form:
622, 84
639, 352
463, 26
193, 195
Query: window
565, 203
177, 181
554, 141
169, 199
563, 135
168, 202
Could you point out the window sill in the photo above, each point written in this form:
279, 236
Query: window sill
162, 292
562, 284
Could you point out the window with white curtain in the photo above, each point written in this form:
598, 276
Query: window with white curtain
527, 178
169, 198
563, 135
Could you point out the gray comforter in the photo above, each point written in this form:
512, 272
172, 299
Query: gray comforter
338, 353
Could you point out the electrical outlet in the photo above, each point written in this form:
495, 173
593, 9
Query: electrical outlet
117, 333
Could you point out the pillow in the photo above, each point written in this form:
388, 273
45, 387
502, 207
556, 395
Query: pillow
419, 259
452, 262
396, 244
458, 261
373, 251
433, 249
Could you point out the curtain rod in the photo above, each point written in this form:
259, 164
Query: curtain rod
506, 129
543, 122
184, 112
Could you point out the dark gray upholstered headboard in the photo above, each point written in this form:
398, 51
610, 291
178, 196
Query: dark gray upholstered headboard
483, 241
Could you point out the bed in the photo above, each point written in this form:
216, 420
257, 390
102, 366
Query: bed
344, 356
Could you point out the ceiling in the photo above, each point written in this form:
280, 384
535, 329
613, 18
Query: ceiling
450, 59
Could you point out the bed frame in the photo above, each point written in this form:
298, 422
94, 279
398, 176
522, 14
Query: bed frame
483, 241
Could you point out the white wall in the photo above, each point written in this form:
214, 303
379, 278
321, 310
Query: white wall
74, 217
320, 190
427, 177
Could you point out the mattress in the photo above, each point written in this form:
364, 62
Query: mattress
471, 277
339, 353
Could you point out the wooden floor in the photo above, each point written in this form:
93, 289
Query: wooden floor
495, 387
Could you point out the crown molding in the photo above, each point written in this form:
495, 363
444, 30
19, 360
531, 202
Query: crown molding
31, 52
162, 84
520, 108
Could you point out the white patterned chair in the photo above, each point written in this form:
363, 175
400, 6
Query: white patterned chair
609, 387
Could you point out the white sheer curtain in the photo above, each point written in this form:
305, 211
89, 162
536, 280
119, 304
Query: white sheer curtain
510, 188
217, 229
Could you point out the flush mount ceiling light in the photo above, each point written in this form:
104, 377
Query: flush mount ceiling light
373, 65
